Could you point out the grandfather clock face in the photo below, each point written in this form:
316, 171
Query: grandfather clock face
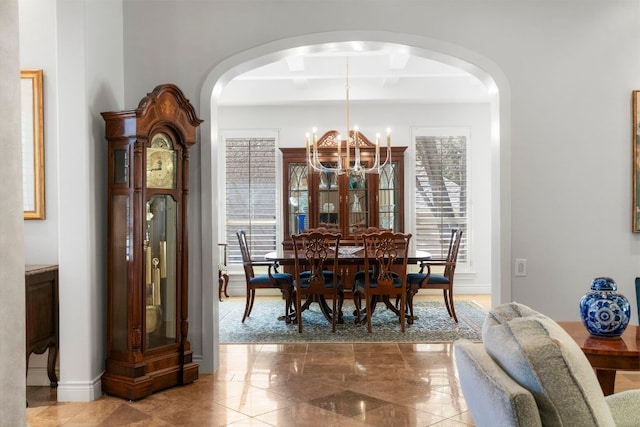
161, 159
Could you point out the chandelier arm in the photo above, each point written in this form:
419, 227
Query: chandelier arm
387, 160
316, 165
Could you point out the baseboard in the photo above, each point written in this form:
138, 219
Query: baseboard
79, 391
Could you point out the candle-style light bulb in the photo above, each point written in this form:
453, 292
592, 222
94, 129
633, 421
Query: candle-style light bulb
315, 139
377, 145
388, 137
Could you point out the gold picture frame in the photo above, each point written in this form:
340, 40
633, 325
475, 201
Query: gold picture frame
636, 162
32, 144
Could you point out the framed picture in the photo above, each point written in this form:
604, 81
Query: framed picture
32, 143
636, 161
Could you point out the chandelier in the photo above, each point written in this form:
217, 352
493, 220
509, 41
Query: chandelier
352, 140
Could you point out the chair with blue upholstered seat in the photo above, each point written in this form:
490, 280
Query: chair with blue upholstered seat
384, 273
429, 280
271, 280
316, 272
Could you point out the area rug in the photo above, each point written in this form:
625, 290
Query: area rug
433, 324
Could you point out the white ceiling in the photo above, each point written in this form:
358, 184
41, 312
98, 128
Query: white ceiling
383, 75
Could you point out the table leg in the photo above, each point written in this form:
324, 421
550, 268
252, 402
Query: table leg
607, 380
51, 365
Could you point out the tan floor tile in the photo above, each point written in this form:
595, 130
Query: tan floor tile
305, 415
303, 390
256, 402
397, 415
348, 403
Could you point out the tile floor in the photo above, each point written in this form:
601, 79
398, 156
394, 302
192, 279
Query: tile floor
294, 385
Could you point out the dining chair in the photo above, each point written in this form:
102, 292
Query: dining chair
384, 273
359, 239
272, 280
316, 271
429, 280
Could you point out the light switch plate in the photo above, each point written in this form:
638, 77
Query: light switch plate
521, 267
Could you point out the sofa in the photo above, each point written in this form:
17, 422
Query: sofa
529, 372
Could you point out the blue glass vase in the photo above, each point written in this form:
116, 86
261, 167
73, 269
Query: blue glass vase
605, 312
301, 223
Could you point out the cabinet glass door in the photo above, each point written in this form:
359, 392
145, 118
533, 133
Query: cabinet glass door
298, 198
329, 201
160, 271
358, 201
388, 197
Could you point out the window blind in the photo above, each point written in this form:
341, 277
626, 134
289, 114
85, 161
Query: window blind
250, 195
441, 193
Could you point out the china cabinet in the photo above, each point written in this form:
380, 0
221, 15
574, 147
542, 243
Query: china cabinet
147, 267
342, 202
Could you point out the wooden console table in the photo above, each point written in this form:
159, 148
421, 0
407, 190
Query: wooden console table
608, 355
41, 287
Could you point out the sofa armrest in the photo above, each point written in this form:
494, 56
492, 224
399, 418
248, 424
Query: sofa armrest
625, 407
492, 396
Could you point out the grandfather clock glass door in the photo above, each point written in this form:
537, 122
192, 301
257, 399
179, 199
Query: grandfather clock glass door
160, 271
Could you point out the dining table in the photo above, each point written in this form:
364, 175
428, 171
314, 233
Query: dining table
349, 256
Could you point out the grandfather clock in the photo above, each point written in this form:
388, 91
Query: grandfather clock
147, 267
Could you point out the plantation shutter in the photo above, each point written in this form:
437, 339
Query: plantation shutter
441, 193
250, 195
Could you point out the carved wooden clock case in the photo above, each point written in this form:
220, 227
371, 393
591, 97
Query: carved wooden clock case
147, 278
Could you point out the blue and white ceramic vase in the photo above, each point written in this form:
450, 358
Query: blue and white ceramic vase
605, 312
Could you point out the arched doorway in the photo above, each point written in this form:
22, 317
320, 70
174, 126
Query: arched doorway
482, 68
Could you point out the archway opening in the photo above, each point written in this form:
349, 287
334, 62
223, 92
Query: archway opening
496, 92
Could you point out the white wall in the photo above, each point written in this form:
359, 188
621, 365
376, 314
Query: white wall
565, 71
79, 47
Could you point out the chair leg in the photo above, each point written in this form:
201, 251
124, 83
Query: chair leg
223, 282
403, 306
289, 303
369, 305
335, 314
410, 294
357, 301
249, 304
226, 284
340, 304
452, 306
299, 311
446, 302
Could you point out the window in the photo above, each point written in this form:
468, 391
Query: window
250, 195
441, 193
